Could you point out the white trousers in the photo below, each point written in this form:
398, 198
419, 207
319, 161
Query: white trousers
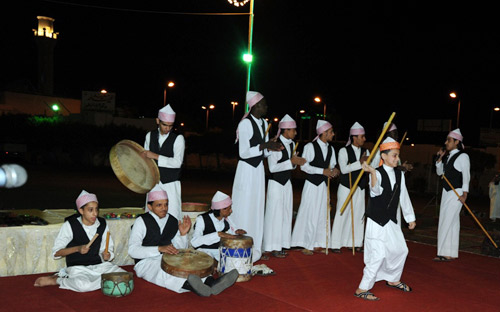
82, 278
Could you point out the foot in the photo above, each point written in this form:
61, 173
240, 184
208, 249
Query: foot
264, 256
307, 252
399, 285
442, 259
319, 250
198, 286
278, 254
224, 282
46, 281
365, 295
336, 250
359, 249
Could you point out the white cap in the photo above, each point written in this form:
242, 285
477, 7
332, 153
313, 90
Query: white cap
286, 122
157, 193
322, 126
85, 198
391, 128
221, 201
166, 114
356, 129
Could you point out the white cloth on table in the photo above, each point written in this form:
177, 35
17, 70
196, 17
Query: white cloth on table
173, 189
211, 238
449, 211
342, 224
312, 224
149, 268
82, 278
494, 193
385, 248
279, 203
249, 186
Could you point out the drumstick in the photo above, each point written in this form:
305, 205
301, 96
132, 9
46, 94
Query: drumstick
267, 131
92, 240
107, 242
295, 148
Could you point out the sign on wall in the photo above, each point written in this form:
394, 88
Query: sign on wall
97, 101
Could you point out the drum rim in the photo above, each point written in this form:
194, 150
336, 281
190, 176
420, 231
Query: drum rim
178, 272
121, 174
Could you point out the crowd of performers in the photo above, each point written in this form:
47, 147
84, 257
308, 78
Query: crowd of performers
372, 227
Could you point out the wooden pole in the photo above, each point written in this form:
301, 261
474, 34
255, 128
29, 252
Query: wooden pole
403, 139
327, 212
470, 211
107, 243
295, 148
372, 153
267, 130
92, 240
352, 218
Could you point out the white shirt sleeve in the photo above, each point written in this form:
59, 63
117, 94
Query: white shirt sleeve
308, 154
176, 161
376, 159
439, 168
405, 202
245, 133
274, 166
146, 141
344, 165
377, 189
135, 248
199, 239
63, 238
462, 164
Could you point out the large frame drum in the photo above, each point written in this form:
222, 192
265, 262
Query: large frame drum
193, 210
186, 262
236, 253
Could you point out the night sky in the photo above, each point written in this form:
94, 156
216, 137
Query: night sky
364, 59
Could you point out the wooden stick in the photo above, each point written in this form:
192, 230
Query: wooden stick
403, 139
295, 148
327, 212
473, 216
352, 218
107, 242
267, 131
372, 153
92, 240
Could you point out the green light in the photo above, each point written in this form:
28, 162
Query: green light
247, 58
55, 107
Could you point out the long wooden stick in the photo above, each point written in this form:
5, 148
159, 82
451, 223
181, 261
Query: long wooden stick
352, 218
107, 243
403, 139
267, 130
327, 212
473, 216
92, 240
295, 148
372, 153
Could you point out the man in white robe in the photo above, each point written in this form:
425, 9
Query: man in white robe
279, 203
85, 264
249, 186
385, 246
456, 168
312, 225
167, 149
352, 220
494, 194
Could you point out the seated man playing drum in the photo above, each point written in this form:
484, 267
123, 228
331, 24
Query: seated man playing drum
156, 232
81, 242
211, 226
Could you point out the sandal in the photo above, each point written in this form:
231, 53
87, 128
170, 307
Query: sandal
401, 286
364, 295
278, 254
307, 252
264, 257
441, 259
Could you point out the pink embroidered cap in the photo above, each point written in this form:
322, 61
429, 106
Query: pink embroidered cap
286, 122
321, 127
157, 193
356, 129
221, 201
85, 198
166, 114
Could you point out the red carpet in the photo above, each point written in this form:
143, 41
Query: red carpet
301, 283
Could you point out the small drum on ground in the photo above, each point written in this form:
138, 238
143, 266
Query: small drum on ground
236, 253
137, 173
186, 262
117, 284
193, 210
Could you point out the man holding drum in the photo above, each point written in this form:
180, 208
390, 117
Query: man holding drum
167, 149
157, 232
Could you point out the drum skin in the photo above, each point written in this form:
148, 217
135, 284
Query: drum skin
117, 284
137, 173
240, 241
186, 262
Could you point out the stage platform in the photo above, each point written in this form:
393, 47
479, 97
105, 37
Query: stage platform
302, 283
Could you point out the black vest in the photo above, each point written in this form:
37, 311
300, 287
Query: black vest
383, 208
210, 228
452, 174
318, 161
256, 140
81, 238
156, 236
351, 158
282, 177
167, 149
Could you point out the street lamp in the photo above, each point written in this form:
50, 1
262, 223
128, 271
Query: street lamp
208, 110
495, 109
234, 104
453, 95
170, 84
318, 100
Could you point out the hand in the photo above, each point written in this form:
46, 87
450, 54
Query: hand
185, 225
168, 249
412, 225
240, 232
329, 173
363, 158
407, 167
440, 154
336, 172
225, 235
106, 255
83, 249
463, 198
366, 167
272, 146
298, 161
150, 155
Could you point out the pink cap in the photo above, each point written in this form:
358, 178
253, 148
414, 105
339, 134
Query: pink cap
356, 129
321, 127
157, 193
85, 198
456, 134
286, 123
221, 201
166, 114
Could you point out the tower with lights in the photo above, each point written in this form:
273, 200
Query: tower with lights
45, 38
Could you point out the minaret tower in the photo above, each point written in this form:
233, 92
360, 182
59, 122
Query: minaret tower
45, 38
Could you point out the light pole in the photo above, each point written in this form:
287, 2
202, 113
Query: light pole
211, 106
453, 95
234, 105
170, 84
495, 109
318, 100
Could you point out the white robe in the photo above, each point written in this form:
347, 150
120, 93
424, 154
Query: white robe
494, 193
173, 189
82, 278
211, 238
342, 224
249, 187
279, 204
312, 225
149, 268
449, 212
385, 248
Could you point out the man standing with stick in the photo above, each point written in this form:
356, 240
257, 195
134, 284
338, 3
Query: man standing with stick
456, 167
312, 226
348, 228
249, 186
